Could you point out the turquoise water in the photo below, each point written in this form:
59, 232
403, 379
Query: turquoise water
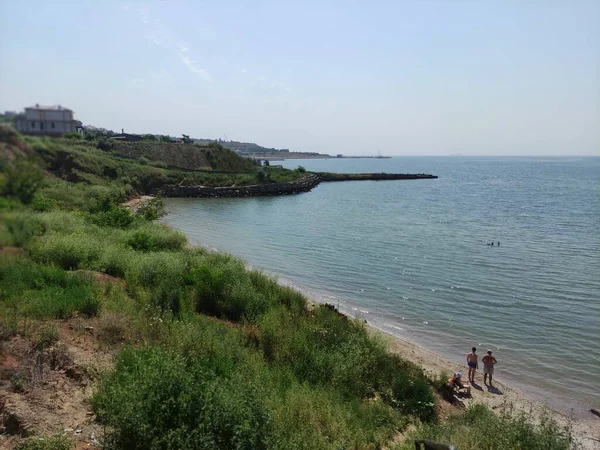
411, 258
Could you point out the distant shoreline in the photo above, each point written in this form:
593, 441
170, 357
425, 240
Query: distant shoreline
286, 156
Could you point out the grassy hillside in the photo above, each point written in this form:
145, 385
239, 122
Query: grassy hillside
191, 157
79, 161
207, 353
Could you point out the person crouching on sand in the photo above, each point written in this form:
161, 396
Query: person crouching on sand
488, 367
473, 364
456, 380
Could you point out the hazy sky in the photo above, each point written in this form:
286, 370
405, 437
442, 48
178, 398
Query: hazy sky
401, 77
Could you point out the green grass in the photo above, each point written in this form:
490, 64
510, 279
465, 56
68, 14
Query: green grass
482, 428
219, 356
56, 442
45, 292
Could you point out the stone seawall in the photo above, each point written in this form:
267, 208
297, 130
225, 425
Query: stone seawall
257, 190
293, 187
326, 176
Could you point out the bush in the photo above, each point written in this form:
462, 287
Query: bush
155, 238
45, 292
23, 179
324, 349
56, 442
73, 135
105, 144
481, 428
152, 209
73, 251
115, 216
159, 399
22, 227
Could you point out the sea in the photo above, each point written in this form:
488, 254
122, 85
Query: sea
412, 258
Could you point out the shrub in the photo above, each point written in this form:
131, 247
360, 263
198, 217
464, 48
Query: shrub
480, 428
155, 238
72, 251
116, 216
322, 348
22, 227
159, 399
43, 204
23, 179
56, 442
152, 209
149, 270
74, 135
43, 292
105, 144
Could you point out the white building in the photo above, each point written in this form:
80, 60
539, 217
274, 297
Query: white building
46, 120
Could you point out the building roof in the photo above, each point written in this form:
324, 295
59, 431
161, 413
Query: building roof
49, 107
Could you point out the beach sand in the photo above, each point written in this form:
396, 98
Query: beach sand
586, 431
136, 202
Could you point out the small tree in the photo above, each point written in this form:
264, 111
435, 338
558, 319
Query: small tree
267, 163
186, 139
149, 137
164, 138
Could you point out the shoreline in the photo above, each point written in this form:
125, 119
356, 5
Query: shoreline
586, 431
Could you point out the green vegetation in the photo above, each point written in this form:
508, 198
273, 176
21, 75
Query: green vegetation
189, 157
49, 443
6, 119
210, 354
481, 428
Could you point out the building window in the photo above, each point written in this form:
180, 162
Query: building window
41, 125
52, 125
32, 124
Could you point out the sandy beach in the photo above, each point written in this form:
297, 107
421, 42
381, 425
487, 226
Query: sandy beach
585, 431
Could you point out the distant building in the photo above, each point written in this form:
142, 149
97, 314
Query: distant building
45, 120
128, 137
10, 113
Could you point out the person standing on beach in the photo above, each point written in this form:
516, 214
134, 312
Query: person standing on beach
473, 364
488, 367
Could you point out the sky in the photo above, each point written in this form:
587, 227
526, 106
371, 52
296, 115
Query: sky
400, 77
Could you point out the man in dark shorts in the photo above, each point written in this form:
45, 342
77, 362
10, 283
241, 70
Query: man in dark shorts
488, 367
473, 364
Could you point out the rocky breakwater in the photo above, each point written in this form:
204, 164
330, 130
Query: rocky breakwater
293, 187
256, 190
328, 176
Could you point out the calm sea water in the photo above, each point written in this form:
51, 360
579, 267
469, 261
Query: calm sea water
411, 258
